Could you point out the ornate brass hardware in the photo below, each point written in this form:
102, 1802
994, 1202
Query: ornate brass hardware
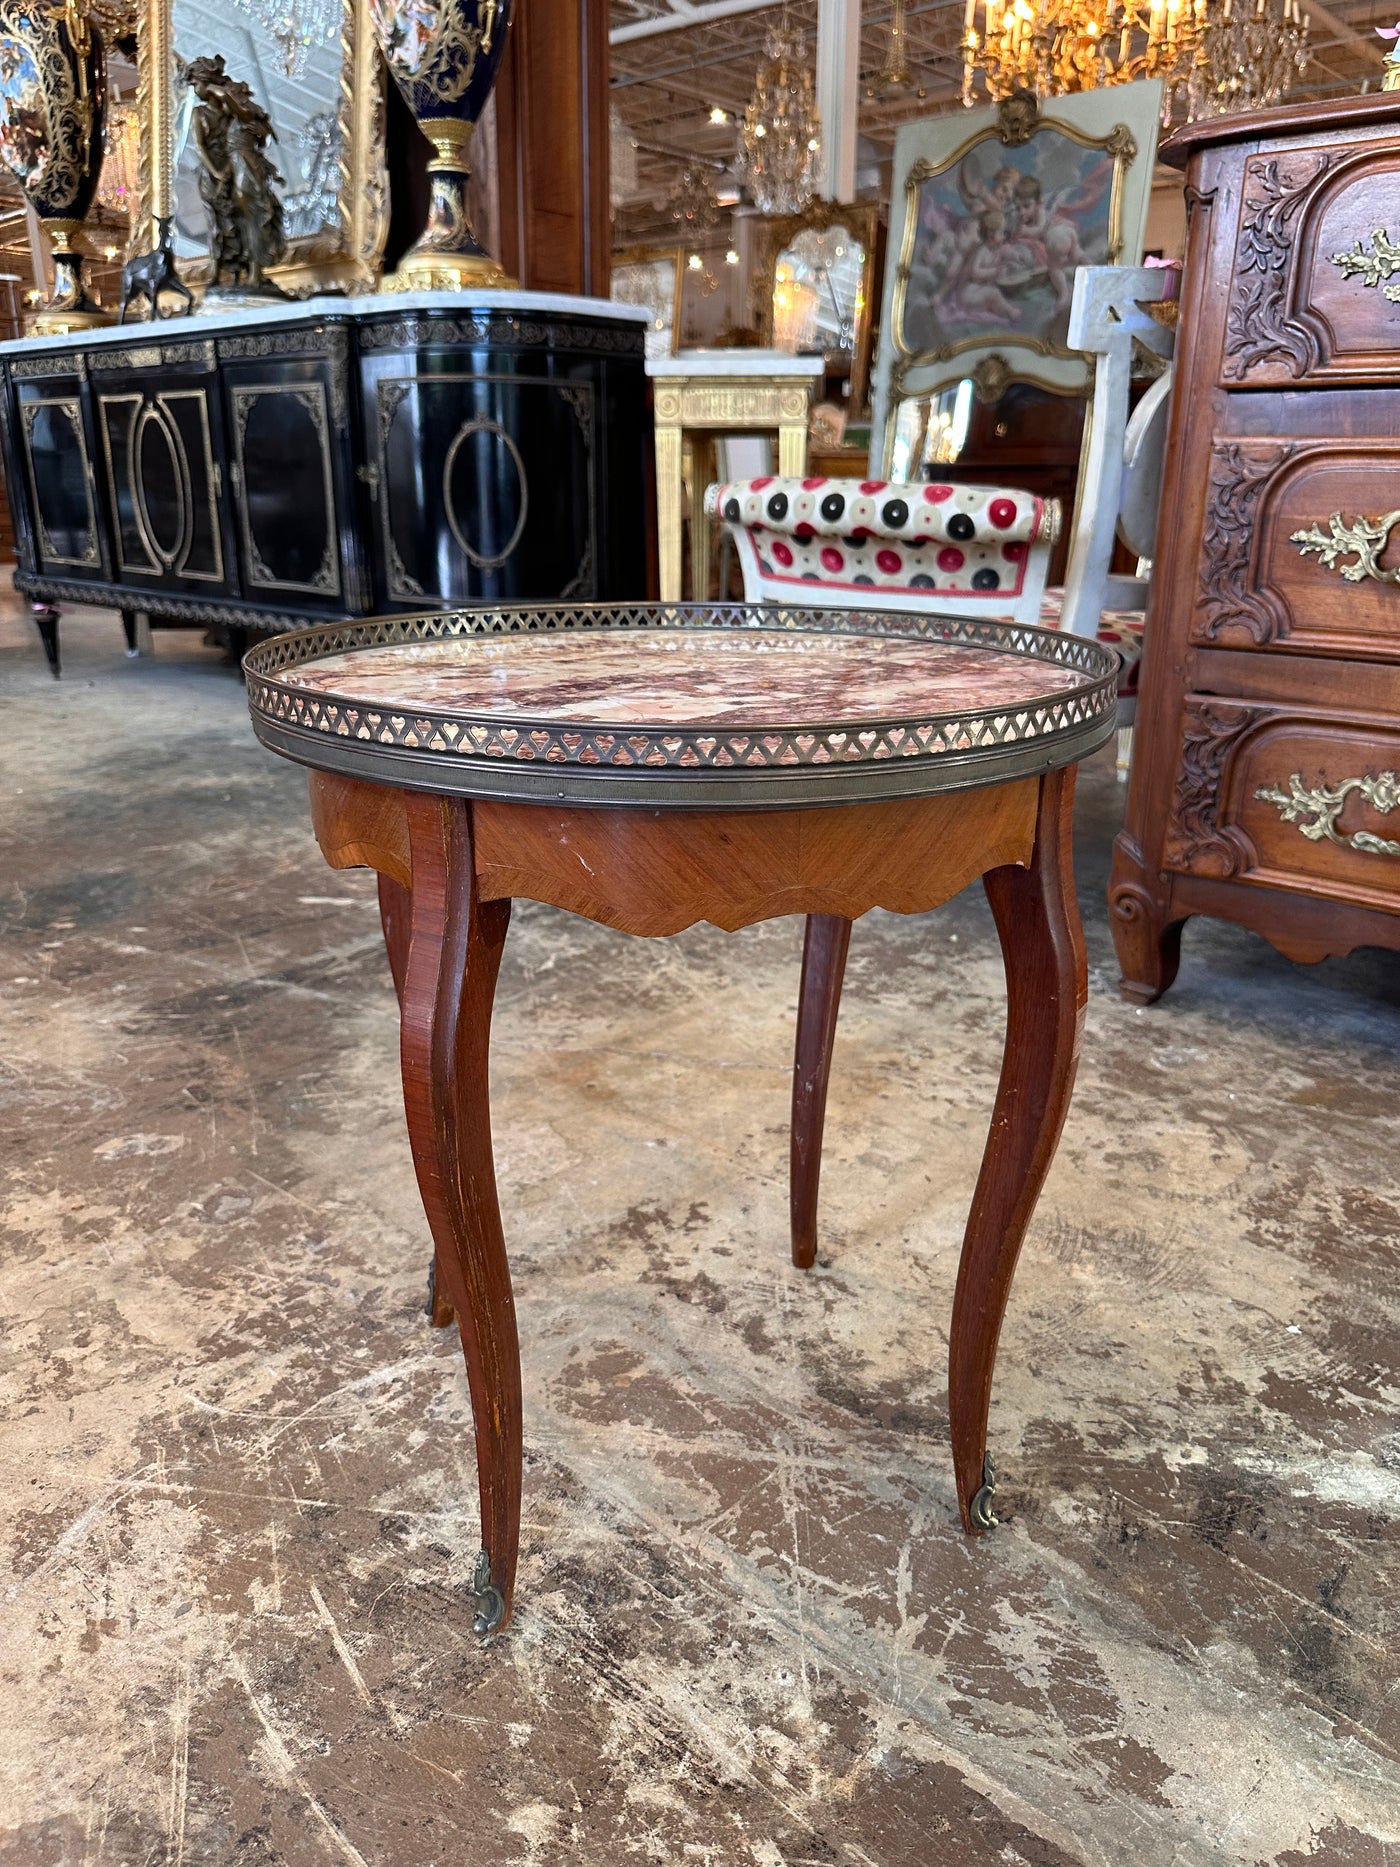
489, 11
1365, 538
1322, 805
1373, 267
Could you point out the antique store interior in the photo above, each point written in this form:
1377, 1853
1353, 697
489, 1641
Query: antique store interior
439, 1420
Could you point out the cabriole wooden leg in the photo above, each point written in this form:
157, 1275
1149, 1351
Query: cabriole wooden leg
396, 918
819, 1000
1042, 945
453, 957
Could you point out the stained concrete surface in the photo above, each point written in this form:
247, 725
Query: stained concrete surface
236, 1463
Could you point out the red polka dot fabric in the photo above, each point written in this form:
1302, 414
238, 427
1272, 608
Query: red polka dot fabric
946, 540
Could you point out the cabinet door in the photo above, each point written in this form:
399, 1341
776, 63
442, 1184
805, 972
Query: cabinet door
484, 484
54, 446
284, 487
1316, 272
162, 439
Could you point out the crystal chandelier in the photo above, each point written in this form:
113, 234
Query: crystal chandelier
1249, 58
692, 205
1210, 55
781, 134
894, 77
297, 26
622, 159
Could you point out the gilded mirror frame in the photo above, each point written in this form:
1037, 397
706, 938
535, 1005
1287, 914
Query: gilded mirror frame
863, 220
346, 255
656, 255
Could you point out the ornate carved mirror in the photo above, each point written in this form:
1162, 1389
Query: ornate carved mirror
313, 66
815, 286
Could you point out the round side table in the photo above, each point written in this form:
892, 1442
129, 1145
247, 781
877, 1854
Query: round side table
652, 767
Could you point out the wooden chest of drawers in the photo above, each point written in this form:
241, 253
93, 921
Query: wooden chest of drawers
1264, 786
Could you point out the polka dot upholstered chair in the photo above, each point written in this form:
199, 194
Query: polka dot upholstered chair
960, 550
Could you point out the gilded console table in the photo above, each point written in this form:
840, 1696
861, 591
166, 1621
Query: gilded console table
720, 392
651, 768
253, 471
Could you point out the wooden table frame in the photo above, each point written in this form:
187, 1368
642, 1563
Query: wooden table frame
448, 870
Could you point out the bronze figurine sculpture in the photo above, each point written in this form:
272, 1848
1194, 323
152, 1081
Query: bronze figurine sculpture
236, 182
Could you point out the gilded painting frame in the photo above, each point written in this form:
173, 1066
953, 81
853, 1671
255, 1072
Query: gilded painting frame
862, 218
345, 256
1121, 122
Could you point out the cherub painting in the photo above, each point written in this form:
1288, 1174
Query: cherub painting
997, 238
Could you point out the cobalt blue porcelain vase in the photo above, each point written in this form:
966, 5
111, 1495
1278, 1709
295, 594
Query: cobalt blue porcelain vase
444, 56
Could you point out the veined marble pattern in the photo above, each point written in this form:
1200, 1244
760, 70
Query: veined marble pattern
696, 677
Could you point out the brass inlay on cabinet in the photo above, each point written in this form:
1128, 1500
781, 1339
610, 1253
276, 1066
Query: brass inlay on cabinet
312, 397
122, 443
70, 407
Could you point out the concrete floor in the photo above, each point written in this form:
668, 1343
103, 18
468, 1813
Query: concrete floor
236, 1463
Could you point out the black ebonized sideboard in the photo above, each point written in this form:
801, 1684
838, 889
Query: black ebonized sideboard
255, 471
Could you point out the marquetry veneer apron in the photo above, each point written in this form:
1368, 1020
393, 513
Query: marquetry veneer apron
649, 768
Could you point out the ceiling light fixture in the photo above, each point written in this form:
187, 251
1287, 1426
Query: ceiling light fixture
781, 134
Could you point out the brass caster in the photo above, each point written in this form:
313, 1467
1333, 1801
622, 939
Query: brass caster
982, 1510
490, 1602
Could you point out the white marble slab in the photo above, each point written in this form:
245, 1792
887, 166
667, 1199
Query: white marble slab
372, 305
735, 363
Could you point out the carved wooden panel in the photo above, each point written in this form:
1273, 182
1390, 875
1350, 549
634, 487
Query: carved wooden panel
1313, 259
1197, 841
1291, 555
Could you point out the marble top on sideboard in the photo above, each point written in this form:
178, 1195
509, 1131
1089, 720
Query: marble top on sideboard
371, 305
735, 363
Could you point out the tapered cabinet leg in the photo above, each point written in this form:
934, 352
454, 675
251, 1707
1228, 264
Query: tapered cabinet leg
819, 1000
1042, 946
46, 622
454, 953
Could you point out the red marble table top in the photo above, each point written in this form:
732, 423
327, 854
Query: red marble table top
728, 677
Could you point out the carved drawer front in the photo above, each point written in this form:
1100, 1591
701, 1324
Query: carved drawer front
1308, 801
1300, 548
1315, 293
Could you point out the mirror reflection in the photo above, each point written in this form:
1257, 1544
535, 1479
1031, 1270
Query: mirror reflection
290, 59
819, 291
652, 280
